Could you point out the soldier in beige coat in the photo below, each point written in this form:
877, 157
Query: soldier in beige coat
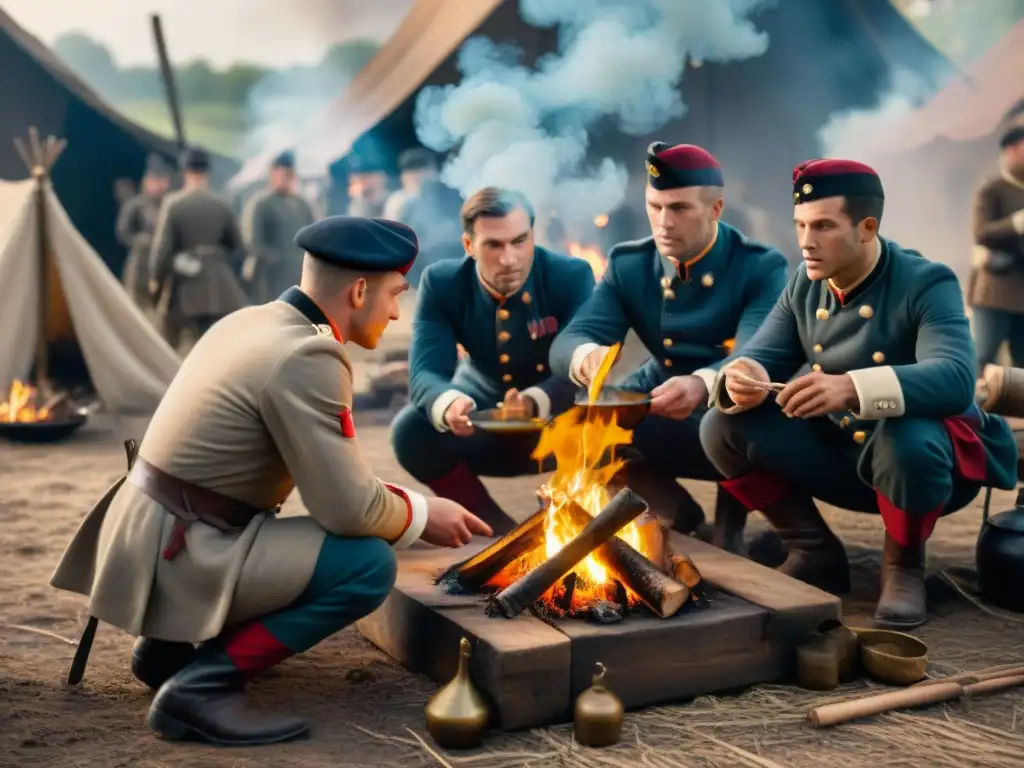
187, 549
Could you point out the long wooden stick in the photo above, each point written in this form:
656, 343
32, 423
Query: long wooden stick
517, 597
472, 574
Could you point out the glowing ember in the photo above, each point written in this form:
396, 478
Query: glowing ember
591, 255
22, 405
601, 221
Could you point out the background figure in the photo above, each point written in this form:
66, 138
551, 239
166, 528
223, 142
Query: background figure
269, 223
367, 187
415, 166
996, 288
136, 224
194, 262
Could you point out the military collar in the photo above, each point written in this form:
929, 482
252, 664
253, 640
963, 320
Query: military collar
673, 269
522, 293
845, 297
295, 297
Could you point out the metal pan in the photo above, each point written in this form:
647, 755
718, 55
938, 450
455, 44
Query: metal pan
49, 431
498, 421
628, 408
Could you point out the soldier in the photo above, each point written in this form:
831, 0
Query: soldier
188, 548
689, 292
136, 224
193, 262
269, 223
885, 422
504, 303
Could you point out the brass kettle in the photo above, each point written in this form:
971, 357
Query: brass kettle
598, 717
457, 715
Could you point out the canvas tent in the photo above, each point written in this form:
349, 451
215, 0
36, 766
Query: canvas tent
37, 88
129, 365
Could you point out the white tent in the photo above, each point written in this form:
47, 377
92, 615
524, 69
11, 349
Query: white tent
129, 363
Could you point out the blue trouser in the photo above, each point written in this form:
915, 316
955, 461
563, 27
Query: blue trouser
673, 446
991, 328
351, 579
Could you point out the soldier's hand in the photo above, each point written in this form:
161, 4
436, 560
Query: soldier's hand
457, 417
742, 394
678, 397
449, 524
590, 364
818, 394
518, 406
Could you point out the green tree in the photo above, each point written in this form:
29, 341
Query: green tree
91, 60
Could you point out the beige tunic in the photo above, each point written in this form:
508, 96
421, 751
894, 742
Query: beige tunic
255, 410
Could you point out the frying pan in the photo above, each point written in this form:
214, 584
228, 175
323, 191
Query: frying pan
628, 408
498, 421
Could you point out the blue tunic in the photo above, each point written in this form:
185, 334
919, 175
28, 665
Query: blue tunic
917, 440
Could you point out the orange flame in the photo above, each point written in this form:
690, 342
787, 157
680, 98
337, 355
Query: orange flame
21, 405
592, 256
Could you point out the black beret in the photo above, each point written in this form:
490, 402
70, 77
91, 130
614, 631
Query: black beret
195, 159
684, 165
284, 160
361, 244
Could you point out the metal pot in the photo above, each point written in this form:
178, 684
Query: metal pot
1000, 558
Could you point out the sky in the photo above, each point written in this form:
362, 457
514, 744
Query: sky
268, 32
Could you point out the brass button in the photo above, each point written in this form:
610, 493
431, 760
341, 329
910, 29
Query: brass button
540, 367
667, 342
859, 437
807, 189
844, 422
866, 311
708, 280
503, 359
526, 297
669, 295
666, 282
668, 363
817, 348
816, 367
324, 330
504, 336
821, 314
507, 378
878, 357
503, 314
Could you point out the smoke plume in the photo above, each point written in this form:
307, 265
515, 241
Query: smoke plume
529, 129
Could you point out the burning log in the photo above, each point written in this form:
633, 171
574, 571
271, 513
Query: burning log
656, 589
621, 510
469, 576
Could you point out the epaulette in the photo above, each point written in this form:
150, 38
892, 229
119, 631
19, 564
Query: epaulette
631, 246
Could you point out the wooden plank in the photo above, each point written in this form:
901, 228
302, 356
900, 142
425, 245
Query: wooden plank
522, 665
651, 660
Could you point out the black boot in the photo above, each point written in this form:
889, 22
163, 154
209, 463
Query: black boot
664, 495
153, 661
730, 522
206, 701
815, 555
903, 603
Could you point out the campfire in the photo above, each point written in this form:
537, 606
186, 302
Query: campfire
585, 553
22, 406
24, 419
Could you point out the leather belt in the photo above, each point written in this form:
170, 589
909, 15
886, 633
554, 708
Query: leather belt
190, 503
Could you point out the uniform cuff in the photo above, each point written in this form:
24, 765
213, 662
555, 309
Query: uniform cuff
417, 505
717, 395
709, 376
1018, 222
578, 356
540, 397
441, 404
879, 392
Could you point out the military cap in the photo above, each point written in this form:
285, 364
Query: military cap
157, 166
1011, 136
284, 160
360, 244
818, 179
195, 159
684, 165
416, 159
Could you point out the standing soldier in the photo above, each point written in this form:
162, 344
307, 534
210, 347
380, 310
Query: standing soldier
269, 223
189, 549
193, 265
136, 224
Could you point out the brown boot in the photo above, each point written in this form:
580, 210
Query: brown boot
903, 603
815, 555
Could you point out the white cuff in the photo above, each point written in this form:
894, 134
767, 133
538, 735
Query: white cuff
708, 376
715, 394
879, 392
578, 356
441, 404
1018, 222
540, 397
418, 515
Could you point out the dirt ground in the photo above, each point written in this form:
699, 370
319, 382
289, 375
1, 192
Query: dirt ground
377, 718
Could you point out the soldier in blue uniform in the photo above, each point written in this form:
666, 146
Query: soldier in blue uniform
690, 292
885, 421
503, 303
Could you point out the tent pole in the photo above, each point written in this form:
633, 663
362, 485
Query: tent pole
167, 74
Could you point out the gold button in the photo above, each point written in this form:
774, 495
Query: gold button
866, 311
526, 297
669, 295
816, 367
817, 348
540, 367
503, 359
504, 336
668, 363
844, 422
878, 357
859, 437
667, 342
666, 282
503, 314
507, 377
807, 189
821, 314
708, 280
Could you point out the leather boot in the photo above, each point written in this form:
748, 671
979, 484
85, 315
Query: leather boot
730, 522
814, 554
903, 603
153, 661
665, 496
206, 701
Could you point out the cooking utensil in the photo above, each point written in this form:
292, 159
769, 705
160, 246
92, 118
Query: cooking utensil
628, 408
503, 421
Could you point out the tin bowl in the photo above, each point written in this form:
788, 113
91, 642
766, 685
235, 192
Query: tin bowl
892, 657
